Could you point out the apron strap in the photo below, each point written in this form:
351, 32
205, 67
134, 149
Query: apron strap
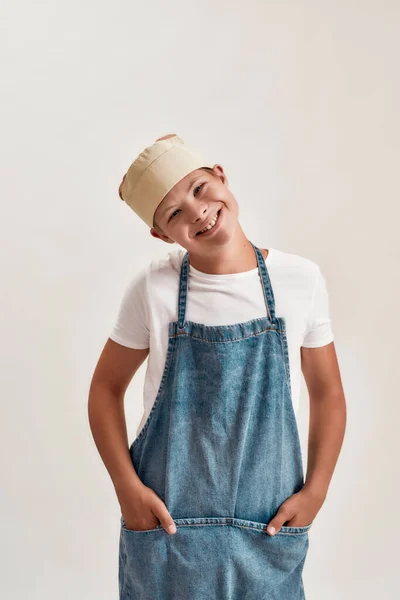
266, 284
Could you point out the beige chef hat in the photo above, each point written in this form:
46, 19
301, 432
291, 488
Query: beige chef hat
155, 171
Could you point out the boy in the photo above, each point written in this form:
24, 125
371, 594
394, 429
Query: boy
216, 461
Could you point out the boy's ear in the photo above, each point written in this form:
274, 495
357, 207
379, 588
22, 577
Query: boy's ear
165, 137
120, 186
160, 236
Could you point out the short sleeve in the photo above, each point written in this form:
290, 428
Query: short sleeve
319, 325
131, 327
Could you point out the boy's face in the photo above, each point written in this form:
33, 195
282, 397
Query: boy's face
191, 205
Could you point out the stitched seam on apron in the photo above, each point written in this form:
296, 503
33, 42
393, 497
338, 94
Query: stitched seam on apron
244, 337
229, 561
287, 376
170, 353
258, 529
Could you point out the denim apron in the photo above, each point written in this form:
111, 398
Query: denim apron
221, 448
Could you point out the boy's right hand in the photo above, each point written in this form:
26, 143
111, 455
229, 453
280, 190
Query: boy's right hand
142, 508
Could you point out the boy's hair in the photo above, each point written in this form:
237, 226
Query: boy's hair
209, 170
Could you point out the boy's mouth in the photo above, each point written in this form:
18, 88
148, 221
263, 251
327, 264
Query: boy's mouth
211, 225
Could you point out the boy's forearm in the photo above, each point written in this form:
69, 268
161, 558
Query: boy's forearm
108, 425
326, 434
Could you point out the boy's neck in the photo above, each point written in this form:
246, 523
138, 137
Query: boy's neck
229, 260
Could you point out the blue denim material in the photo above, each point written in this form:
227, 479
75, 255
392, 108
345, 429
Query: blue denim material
221, 449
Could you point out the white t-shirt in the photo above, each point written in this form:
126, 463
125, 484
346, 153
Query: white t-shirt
150, 302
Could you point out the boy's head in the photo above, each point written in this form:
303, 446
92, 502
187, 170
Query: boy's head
171, 187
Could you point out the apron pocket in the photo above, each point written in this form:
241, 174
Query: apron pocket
191, 563
264, 566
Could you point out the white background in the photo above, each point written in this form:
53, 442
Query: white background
298, 101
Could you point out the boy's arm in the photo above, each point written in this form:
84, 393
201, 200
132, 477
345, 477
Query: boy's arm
141, 507
327, 416
113, 373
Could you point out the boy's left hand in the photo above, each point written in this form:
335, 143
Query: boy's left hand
299, 510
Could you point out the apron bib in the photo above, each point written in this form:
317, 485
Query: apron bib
221, 449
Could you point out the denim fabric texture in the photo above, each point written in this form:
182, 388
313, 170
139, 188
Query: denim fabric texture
221, 449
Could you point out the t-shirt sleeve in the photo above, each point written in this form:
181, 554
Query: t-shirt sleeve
131, 327
319, 325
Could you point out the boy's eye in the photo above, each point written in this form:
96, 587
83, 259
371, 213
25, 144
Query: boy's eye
173, 214
198, 187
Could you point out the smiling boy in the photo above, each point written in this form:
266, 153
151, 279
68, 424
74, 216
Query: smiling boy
227, 328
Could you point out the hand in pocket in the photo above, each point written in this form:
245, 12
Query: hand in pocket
143, 509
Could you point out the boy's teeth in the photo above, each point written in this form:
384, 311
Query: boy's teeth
210, 225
